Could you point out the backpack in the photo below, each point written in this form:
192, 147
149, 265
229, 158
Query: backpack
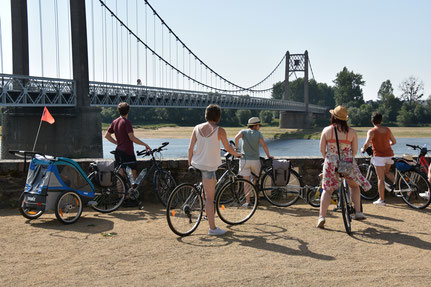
281, 172
104, 172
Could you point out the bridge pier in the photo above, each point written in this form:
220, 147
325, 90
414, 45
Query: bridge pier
296, 120
76, 132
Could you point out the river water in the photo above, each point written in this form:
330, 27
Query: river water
177, 148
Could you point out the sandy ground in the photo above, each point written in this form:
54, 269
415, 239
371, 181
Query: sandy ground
277, 247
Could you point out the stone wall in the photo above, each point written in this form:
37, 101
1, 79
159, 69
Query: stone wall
12, 177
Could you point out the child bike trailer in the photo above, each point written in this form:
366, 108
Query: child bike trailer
57, 184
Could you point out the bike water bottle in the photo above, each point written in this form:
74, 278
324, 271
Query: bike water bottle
130, 175
141, 176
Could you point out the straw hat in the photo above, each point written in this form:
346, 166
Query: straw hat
253, 121
340, 113
408, 157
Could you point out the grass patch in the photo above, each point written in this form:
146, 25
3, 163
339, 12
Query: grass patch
309, 134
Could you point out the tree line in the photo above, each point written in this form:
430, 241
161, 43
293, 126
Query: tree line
408, 108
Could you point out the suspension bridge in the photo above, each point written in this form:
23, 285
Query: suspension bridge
109, 51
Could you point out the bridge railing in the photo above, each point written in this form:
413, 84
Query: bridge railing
18, 90
107, 94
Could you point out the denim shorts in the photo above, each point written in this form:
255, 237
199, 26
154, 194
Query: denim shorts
208, 174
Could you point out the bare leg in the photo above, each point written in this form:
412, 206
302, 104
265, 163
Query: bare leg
209, 188
380, 170
355, 194
247, 191
325, 201
391, 176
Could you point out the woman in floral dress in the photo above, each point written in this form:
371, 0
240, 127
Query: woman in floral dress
348, 141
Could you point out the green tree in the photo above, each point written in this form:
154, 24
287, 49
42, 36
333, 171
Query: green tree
277, 91
265, 117
243, 116
348, 91
412, 89
361, 116
389, 105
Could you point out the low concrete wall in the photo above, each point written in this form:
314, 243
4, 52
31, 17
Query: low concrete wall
12, 177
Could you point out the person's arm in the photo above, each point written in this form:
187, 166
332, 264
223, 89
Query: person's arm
237, 137
265, 147
138, 141
354, 143
192, 143
391, 137
370, 135
109, 137
223, 137
323, 143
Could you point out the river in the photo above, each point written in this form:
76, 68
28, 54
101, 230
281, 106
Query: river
177, 148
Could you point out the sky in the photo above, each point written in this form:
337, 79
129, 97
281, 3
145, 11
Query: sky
243, 40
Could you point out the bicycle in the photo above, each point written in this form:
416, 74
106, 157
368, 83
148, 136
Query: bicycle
411, 183
347, 210
111, 196
185, 205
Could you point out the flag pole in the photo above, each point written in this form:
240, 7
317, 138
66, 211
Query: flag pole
37, 135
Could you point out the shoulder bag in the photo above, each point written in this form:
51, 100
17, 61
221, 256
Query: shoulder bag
344, 167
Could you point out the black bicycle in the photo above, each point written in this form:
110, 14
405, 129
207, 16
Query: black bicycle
235, 199
347, 209
110, 195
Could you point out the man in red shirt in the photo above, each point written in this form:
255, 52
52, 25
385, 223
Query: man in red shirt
122, 128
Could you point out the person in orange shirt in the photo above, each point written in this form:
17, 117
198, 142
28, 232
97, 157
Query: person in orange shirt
381, 139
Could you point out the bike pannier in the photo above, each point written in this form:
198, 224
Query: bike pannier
281, 172
104, 172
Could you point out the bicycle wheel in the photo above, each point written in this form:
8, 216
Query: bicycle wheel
27, 212
345, 209
415, 189
236, 201
108, 198
313, 196
68, 207
369, 172
282, 195
163, 184
184, 209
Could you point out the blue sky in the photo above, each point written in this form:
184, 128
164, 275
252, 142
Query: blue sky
243, 40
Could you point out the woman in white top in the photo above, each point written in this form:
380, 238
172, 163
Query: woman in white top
206, 158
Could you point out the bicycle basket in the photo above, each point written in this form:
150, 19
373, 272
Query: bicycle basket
281, 172
104, 171
403, 166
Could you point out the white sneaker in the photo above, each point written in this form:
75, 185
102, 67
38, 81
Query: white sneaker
246, 205
379, 202
424, 195
217, 231
359, 216
321, 222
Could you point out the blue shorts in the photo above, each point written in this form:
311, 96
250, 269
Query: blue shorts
208, 174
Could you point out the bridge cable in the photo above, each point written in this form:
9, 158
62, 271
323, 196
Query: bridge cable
163, 60
57, 49
41, 37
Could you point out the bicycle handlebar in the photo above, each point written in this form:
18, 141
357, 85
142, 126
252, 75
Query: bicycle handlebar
415, 147
147, 153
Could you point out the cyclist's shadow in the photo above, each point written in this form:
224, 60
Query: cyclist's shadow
259, 240
390, 236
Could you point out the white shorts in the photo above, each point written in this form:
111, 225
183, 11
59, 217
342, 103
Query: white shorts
246, 167
382, 161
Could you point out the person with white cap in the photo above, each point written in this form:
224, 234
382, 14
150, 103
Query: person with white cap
252, 138
348, 146
381, 139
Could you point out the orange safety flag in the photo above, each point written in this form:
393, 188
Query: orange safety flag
46, 116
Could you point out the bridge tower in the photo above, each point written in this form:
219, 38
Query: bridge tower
77, 131
289, 119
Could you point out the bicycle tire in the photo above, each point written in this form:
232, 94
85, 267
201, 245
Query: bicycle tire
28, 213
314, 195
234, 211
184, 209
415, 189
163, 184
68, 207
108, 198
279, 195
369, 172
345, 210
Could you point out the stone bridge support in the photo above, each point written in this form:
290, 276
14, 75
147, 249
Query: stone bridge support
77, 131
